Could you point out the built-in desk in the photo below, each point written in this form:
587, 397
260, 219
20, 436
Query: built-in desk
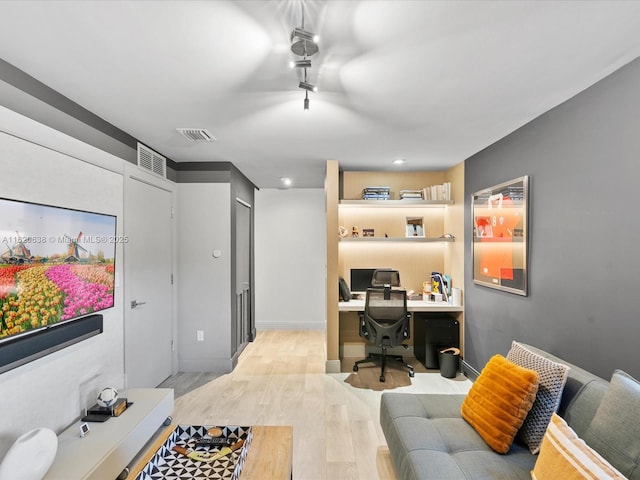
353, 346
356, 305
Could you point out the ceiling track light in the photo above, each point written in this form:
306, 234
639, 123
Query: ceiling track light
307, 86
304, 44
304, 48
304, 63
303, 34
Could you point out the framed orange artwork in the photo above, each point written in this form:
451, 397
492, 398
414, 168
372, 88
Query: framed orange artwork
500, 236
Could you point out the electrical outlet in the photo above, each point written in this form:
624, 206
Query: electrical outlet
200, 335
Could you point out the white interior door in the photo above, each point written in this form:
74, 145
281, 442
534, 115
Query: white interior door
148, 284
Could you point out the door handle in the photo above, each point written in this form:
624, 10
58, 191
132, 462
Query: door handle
135, 303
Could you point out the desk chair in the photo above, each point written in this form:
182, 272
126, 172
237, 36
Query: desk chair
385, 323
385, 277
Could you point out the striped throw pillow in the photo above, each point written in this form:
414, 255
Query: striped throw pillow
564, 455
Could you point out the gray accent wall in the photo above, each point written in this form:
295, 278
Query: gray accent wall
583, 159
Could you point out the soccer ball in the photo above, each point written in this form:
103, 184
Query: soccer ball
107, 397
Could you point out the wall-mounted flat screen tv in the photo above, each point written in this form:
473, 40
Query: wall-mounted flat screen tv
56, 265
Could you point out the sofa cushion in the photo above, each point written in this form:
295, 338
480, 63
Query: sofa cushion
427, 438
499, 400
564, 455
552, 377
614, 429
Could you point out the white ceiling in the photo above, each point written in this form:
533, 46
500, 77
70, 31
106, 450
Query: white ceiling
430, 81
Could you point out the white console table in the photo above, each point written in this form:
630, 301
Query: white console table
111, 446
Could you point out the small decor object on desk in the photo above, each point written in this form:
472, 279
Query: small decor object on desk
426, 290
368, 232
107, 397
30, 457
439, 287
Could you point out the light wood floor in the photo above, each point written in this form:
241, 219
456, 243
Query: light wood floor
280, 380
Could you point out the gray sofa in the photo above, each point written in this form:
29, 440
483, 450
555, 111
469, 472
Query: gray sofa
428, 438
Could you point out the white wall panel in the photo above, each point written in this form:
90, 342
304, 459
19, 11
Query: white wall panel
204, 297
46, 392
290, 265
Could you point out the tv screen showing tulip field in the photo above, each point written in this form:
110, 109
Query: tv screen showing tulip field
56, 265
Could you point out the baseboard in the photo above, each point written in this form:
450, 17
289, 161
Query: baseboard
470, 372
332, 366
220, 365
291, 326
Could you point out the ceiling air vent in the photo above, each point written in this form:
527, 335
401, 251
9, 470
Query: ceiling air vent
152, 161
197, 134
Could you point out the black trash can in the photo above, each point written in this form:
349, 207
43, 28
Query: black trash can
449, 359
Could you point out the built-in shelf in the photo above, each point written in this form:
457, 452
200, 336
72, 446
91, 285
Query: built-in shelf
397, 239
396, 203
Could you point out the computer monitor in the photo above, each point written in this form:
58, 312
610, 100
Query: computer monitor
361, 279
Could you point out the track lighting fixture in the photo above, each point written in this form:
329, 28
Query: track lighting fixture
303, 34
304, 44
304, 63
307, 86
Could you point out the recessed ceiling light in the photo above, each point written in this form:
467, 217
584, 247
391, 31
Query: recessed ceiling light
286, 181
399, 161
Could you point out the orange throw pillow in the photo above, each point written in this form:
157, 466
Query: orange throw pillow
499, 400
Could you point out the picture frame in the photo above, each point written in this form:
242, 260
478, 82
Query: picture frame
414, 227
368, 232
500, 236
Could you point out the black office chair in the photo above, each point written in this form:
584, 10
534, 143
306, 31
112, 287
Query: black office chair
385, 323
385, 277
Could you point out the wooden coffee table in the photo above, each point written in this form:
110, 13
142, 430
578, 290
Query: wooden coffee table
270, 453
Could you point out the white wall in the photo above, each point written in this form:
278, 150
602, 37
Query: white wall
290, 259
204, 296
46, 392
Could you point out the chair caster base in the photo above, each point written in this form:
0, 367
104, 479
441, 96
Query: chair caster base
355, 368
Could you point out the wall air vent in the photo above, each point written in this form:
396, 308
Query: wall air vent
197, 134
152, 161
